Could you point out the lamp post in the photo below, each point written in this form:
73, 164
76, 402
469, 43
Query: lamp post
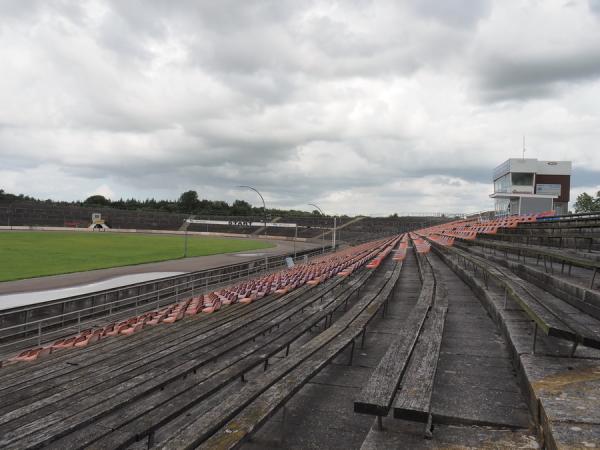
323, 234
185, 245
263, 201
334, 233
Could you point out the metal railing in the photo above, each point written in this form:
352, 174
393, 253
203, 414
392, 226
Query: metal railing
35, 332
571, 217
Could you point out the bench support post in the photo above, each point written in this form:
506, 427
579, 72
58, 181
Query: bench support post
429, 427
573, 349
379, 423
362, 341
535, 327
283, 414
151, 439
505, 296
593, 278
351, 352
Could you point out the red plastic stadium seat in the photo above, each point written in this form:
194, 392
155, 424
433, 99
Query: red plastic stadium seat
133, 329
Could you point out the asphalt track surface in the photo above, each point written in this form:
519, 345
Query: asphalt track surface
175, 265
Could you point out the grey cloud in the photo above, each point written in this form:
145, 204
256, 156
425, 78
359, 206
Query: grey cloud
14, 10
457, 13
360, 104
583, 177
504, 77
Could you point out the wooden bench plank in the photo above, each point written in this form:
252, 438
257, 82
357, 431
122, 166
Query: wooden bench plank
548, 322
564, 311
146, 415
413, 402
378, 394
260, 409
91, 408
143, 354
202, 428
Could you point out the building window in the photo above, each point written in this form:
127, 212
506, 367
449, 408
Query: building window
522, 179
502, 184
502, 206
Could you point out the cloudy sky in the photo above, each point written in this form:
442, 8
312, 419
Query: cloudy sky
366, 107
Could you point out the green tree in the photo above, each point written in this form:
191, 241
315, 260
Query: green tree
99, 200
188, 202
586, 203
241, 208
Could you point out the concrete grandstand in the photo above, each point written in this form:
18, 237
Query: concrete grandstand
431, 333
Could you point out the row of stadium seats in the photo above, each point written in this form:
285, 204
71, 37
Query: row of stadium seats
400, 252
383, 254
317, 271
421, 245
469, 229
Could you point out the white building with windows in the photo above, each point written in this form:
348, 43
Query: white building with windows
528, 186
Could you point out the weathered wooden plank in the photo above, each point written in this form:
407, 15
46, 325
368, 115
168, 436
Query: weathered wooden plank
378, 394
152, 353
89, 409
81, 357
571, 310
229, 313
144, 416
413, 402
533, 250
548, 322
234, 429
250, 419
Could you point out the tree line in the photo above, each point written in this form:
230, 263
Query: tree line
188, 203
586, 203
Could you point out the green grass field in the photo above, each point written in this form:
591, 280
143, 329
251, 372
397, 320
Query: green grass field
35, 254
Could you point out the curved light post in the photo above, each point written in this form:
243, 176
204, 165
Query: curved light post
333, 233
185, 244
323, 233
263, 201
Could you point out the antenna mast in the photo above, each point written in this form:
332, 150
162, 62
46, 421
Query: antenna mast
523, 146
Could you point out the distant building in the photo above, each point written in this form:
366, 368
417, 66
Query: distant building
526, 186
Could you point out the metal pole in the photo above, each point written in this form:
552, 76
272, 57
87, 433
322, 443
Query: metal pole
334, 231
185, 241
264, 205
295, 238
323, 233
185, 245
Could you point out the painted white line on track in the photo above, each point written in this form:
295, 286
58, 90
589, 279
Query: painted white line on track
30, 298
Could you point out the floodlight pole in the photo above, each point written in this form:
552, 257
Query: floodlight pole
263, 201
322, 234
295, 239
185, 245
334, 232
